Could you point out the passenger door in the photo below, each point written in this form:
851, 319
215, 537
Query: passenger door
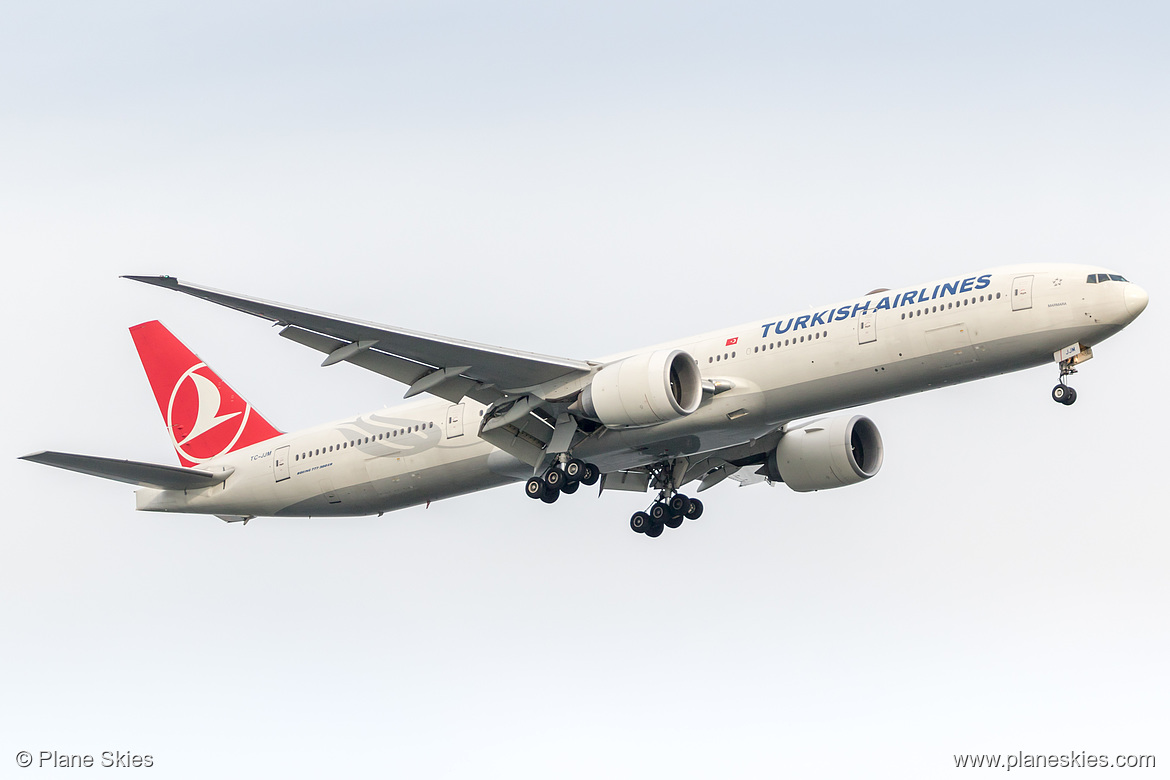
867, 328
1022, 293
280, 464
455, 421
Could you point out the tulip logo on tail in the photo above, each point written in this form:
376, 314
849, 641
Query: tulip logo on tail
205, 418
197, 417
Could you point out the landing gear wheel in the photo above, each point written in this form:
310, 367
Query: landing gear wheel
639, 522
654, 530
694, 509
570, 487
673, 521
659, 512
590, 474
550, 495
1070, 396
677, 505
534, 487
1059, 393
573, 469
554, 479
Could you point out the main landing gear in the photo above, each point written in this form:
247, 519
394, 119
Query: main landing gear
563, 477
667, 512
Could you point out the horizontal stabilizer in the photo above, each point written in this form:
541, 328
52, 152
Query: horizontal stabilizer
152, 475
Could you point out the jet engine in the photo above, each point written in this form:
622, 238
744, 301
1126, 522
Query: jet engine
644, 390
828, 453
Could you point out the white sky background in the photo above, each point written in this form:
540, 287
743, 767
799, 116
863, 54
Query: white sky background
578, 180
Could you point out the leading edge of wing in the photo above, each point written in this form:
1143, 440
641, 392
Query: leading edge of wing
152, 475
505, 368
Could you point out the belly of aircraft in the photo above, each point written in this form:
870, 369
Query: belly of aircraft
406, 489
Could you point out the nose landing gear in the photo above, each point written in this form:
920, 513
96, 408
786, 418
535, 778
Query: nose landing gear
1068, 359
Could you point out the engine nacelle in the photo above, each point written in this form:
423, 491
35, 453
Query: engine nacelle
644, 390
828, 453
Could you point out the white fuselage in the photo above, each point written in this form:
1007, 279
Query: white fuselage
882, 345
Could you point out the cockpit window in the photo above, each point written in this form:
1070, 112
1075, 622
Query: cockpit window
1097, 278
1092, 279
1118, 278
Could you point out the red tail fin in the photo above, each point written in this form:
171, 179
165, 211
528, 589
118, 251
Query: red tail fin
204, 417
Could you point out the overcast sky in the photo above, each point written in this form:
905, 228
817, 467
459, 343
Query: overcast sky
579, 179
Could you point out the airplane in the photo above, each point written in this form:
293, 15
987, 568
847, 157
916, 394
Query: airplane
731, 404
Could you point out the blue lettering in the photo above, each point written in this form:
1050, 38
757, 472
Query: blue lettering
950, 288
842, 314
908, 298
884, 303
859, 309
984, 281
801, 322
968, 283
922, 296
818, 319
787, 325
935, 292
769, 325
896, 297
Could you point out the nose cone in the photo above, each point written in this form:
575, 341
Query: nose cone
1136, 299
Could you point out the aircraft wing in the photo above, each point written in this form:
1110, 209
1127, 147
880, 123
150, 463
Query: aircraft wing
134, 472
446, 367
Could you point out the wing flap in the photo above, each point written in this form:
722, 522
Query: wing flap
152, 475
408, 372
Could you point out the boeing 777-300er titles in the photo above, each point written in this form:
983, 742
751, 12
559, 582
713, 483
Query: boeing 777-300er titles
723, 404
